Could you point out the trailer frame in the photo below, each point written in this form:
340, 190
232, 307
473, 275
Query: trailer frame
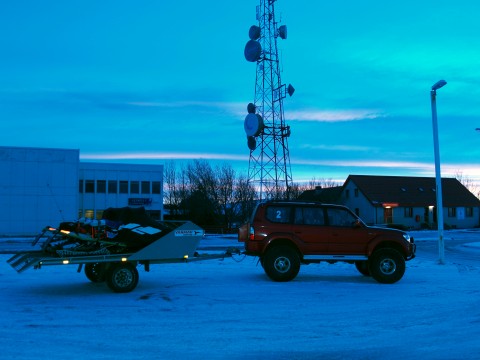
118, 270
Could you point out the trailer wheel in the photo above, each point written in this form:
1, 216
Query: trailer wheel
122, 277
95, 272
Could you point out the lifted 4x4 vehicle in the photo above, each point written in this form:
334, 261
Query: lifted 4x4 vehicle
286, 234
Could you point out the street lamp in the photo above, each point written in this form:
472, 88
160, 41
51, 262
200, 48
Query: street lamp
438, 177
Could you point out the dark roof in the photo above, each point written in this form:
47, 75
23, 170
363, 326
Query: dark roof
328, 195
412, 191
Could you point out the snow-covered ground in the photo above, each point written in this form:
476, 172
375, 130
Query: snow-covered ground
223, 309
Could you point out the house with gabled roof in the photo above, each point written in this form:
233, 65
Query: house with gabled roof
410, 201
327, 195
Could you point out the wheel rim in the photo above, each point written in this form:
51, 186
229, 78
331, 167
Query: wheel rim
282, 264
123, 278
388, 266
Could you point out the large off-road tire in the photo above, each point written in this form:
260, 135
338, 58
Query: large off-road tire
281, 263
122, 277
387, 266
362, 267
95, 272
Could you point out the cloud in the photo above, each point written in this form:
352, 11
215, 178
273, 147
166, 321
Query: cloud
334, 115
368, 164
232, 107
420, 168
161, 156
337, 147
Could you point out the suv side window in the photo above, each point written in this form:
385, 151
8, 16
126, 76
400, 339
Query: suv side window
279, 214
309, 216
340, 217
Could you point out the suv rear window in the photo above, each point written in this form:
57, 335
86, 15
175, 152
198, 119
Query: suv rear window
309, 216
340, 217
278, 214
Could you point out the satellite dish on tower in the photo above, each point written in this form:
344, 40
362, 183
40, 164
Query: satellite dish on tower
252, 143
282, 32
254, 32
253, 50
253, 125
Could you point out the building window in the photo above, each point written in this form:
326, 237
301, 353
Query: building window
89, 214
408, 212
145, 187
469, 212
134, 187
452, 212
89, 186
101, 186
112, 186
356, 192
123, 187
80, 186
347, 193
156, 188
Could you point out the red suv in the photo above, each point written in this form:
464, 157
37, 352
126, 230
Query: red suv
286, 234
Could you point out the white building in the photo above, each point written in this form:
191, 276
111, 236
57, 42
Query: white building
40, 187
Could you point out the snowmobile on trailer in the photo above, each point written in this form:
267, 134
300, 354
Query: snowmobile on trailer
110, 249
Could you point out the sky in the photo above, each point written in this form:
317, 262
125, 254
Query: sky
153, 81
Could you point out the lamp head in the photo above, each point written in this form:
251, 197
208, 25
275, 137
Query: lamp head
439, 84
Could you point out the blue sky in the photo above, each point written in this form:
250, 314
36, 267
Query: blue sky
148, 81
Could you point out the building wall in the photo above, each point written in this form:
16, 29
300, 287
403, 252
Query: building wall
356, 201
41, 187
414, 217
100, 188
38, 187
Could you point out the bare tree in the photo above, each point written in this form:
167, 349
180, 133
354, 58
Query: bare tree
323, 182
177, 189
226, 184
296, 190
468, 183
170, 189
244, 203
203, 201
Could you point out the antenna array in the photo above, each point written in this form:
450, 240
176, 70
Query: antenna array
267, 133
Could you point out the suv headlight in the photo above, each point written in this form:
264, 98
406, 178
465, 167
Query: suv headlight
406, 237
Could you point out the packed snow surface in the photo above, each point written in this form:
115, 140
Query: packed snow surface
224, 309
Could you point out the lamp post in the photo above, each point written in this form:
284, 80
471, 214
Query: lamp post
438, 176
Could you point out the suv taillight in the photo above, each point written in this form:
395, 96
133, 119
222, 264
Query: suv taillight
251, 235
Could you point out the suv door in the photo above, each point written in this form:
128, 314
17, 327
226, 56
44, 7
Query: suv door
346, 234
309, 228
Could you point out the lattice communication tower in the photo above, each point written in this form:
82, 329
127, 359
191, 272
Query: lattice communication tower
267, 133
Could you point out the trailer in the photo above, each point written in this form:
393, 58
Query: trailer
110, 250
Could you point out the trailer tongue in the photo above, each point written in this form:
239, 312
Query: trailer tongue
111, 250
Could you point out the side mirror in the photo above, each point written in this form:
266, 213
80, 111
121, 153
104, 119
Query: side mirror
357, 224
